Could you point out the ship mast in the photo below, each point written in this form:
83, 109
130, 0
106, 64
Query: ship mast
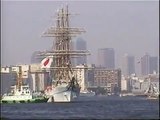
62, 53
19, 78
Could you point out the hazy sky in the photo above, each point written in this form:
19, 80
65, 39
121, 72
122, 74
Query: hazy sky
128, 27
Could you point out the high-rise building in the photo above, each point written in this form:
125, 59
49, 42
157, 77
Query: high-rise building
128, 65
81, 45
153, 64
145, 64
106, 58
149, 64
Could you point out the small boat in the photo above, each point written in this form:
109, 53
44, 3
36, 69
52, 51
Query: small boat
21, 93
87, 93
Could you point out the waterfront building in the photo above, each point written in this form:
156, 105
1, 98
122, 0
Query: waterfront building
91, 68
106, 58
32, 74
8, 78
82, 76
108, 78
39, 79
126, 84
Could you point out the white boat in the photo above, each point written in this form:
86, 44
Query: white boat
22, 95
87, 93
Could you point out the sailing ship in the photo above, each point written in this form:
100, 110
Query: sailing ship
21, 93
65, 86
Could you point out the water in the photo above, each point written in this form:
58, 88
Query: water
101, 107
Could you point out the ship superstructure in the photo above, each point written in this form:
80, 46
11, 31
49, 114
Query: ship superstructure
65, 83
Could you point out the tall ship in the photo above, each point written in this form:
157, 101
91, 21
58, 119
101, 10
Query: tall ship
21, 93
65, 85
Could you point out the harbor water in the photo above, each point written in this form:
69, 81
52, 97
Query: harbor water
95, 107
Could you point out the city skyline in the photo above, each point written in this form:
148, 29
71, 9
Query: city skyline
128, 27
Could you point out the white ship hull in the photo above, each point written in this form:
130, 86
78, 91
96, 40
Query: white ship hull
67, 96
23, 95
62, 93
87, 94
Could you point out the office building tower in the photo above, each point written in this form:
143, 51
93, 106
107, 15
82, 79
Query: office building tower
106, 58
153, 64
145, 64
81, 45
149, 64
128, 65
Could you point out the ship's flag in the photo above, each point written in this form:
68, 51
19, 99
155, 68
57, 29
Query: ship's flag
46, 62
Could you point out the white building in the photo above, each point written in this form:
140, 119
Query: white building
123, 84
38, 78
82, 76
5, 69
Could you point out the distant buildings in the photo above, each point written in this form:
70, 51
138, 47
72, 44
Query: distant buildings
39, 79
149, 64
153, 64
32, 74
109, 78
106, 58
128, 66
81, 45
7, 79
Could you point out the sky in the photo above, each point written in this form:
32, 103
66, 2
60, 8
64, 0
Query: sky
130, 27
